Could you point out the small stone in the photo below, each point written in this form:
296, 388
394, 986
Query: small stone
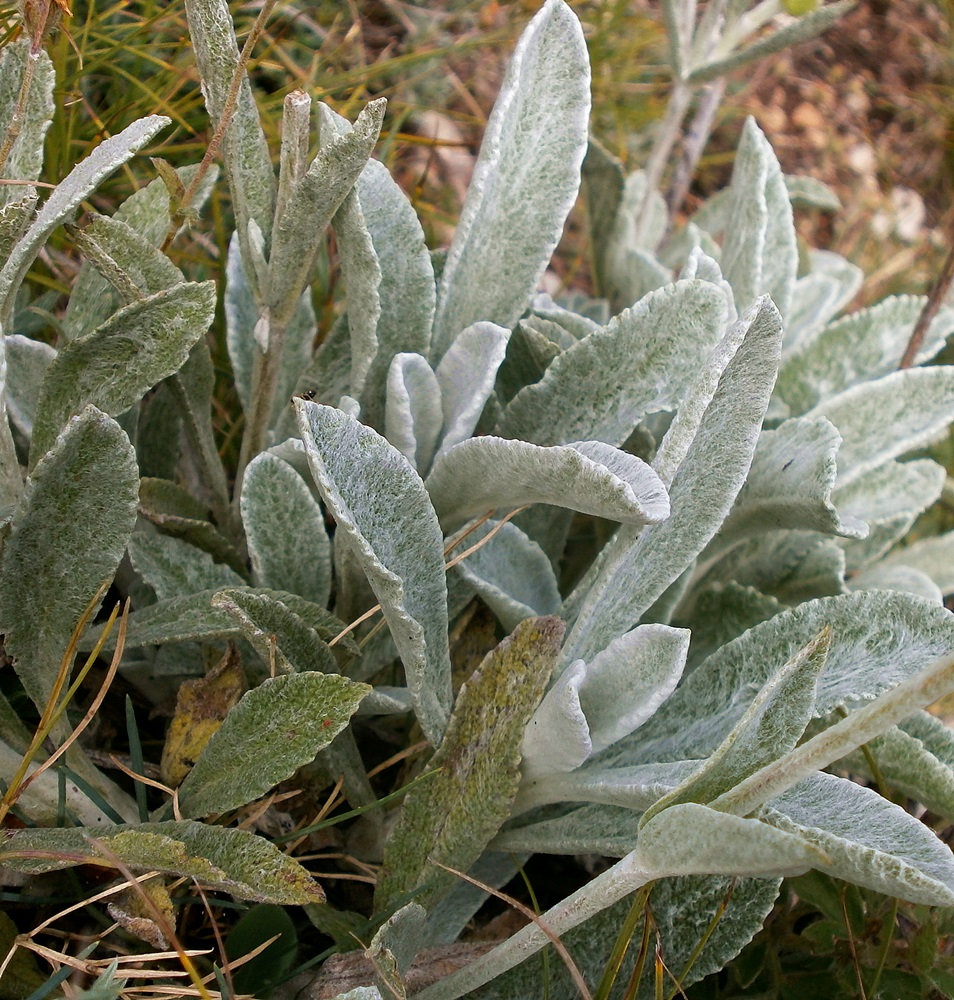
909, 213
808, 117
771, 119
861, 158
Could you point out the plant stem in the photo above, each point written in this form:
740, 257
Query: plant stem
605, 890
695, 141
930, 310
669, 131
221, 128
833, 743
38, 21
264, 385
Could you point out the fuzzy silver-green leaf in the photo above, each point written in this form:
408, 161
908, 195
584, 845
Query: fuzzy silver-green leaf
275, 729
137, 347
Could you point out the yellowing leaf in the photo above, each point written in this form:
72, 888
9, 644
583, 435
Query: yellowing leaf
201, 706
451, 818
136, 910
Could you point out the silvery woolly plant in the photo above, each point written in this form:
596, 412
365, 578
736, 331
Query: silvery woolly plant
688, 706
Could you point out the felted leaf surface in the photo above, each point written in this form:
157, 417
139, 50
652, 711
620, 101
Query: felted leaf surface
362, 278
11, 479
692, 839
603, 186
889, 499
644, 360
593, 705
525, 180
27, 362
789, 485
15, 217
880, 420
909, 766
879, 638
487, 473
25, 159
529, 353
718, 444
631, 268
146, 211
276, 632
451, 818
285, 527
627, 682
173, 568
220, 858
179, 515
747, 216
798, 29
192, 617
721, 612
67, 196
759, 253
557, 738
412, 415
773, 723
68, 535
466, 377
132, 351
632, 788
159, 435
396, 943
407, 292
791, 566
934, 556
511, 573
192, 388
247, 160
806, 191
382, 509
866, 839
127, 259
685, 910
829, 286
897, 577
865, 345
310, 207
275, 729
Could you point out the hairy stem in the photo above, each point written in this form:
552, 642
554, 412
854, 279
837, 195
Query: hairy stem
605, 890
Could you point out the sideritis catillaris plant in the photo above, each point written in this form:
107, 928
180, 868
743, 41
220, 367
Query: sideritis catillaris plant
687, 704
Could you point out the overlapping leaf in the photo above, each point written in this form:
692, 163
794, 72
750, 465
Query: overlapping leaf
67, 196
68, 535
382, 509
717, 432
451, 818
232, 861
285, 528
133, 350
879, 638
866, 839
644, 360
275, 729
525, 180
488, 473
